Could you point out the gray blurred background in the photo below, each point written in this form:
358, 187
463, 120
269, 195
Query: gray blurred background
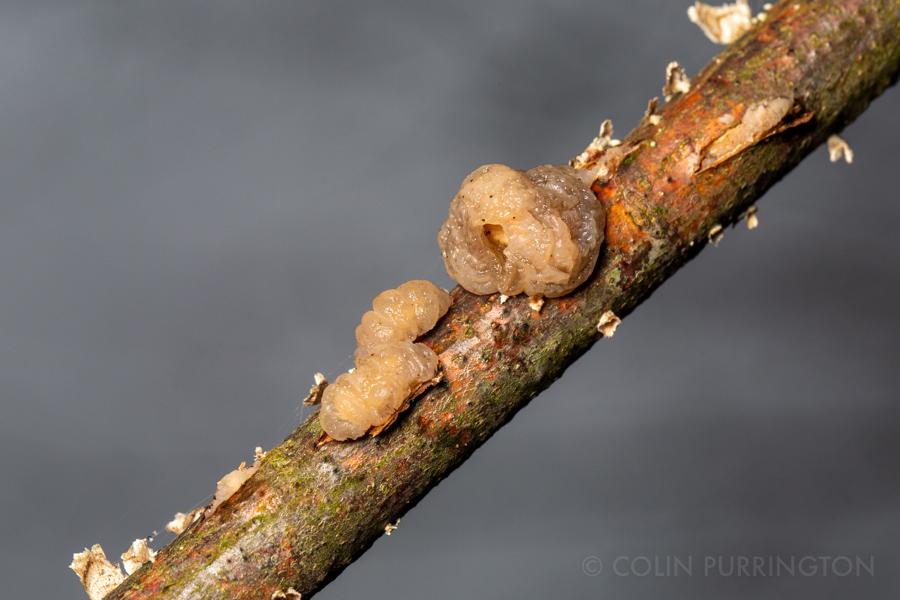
198, 201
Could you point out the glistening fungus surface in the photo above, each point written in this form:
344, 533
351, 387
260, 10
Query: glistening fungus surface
389, 367
509, 231
401, 314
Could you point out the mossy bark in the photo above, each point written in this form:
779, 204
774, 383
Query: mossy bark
309, 512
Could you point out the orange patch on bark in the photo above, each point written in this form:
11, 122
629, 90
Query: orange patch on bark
621, 232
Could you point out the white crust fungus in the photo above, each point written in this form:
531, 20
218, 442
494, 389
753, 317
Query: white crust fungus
838, 148
290, 593
181, 521
651, 115
389, 366
677, 81
537, 231
388, 529
716, 234
98, 576
752, 219
608, 323
315, 392
402, 314
722, 24
138, 554
600, 143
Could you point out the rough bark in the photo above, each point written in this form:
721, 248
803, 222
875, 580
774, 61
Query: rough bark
309, 512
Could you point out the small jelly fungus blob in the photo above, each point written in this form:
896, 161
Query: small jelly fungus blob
401, 314
389, 366
376, 389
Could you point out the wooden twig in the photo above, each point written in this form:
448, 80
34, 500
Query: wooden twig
309, 512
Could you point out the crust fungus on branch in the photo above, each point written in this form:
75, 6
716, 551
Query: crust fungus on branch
752, 219
182, 521
315, 392
722, 24
650, 114
536, 303
676, 81
595, 149
838, 148
138, 554
97, 574
608, 323
389, 528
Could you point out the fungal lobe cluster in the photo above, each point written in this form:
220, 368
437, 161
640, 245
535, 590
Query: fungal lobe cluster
389, 365
509, 231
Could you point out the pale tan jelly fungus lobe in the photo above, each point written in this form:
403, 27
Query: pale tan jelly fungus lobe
401, 314
509, 231
376, 389
389, 366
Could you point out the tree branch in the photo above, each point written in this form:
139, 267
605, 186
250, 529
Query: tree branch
308, 513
